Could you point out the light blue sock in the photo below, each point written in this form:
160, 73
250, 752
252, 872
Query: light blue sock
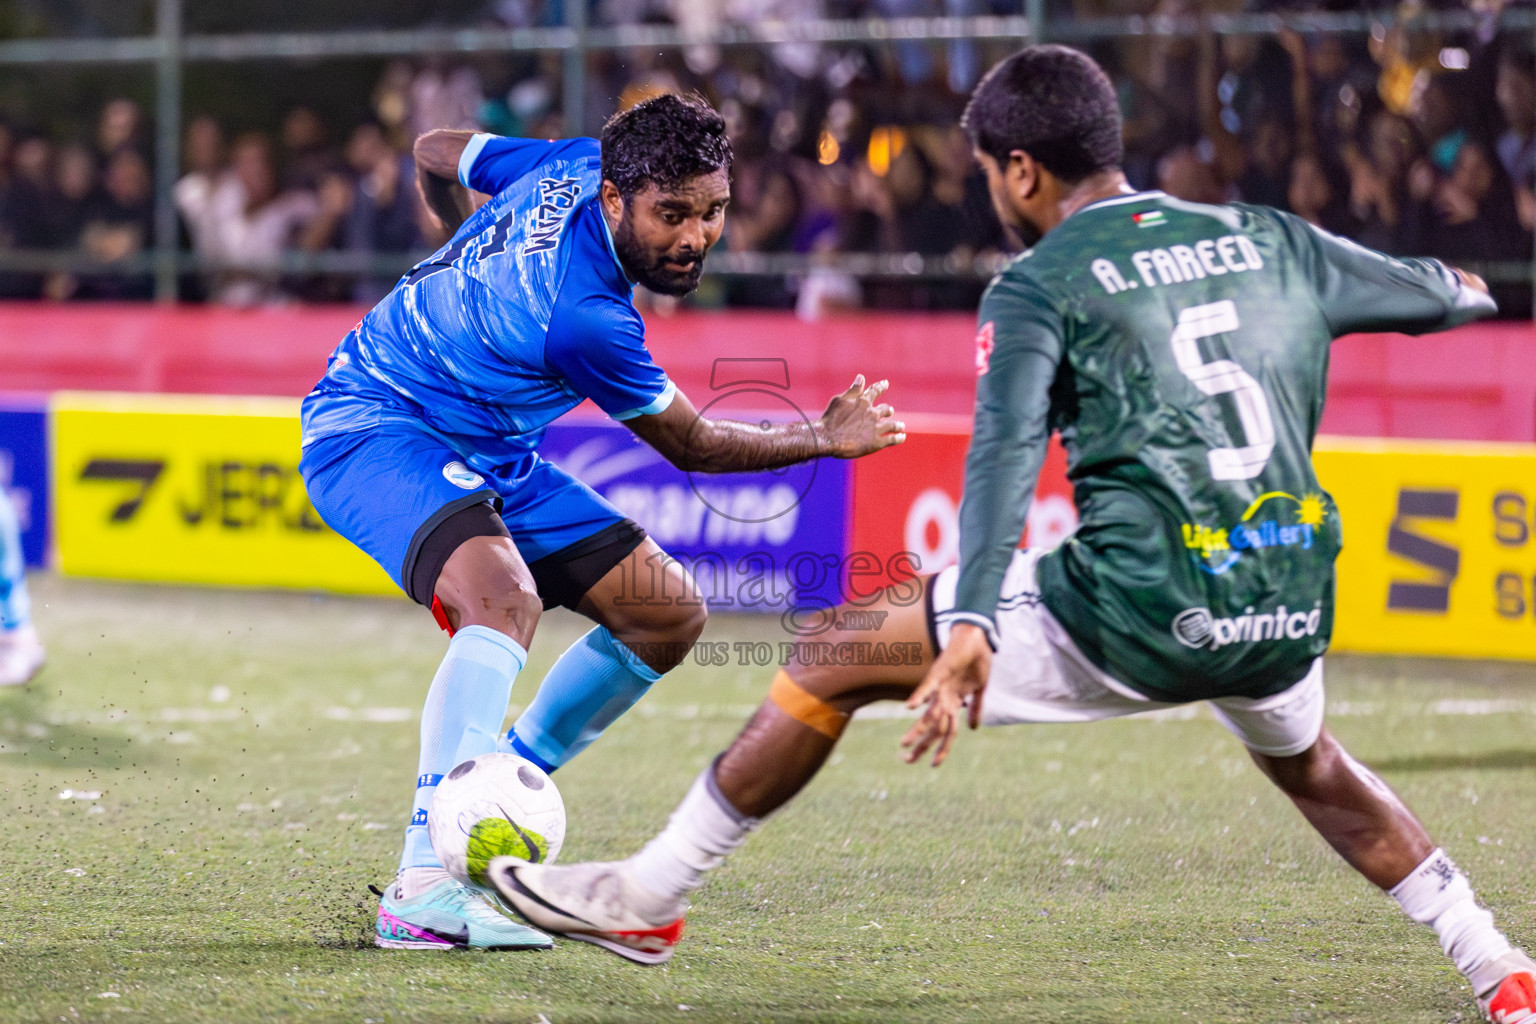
462, 718
15, 606
595, 681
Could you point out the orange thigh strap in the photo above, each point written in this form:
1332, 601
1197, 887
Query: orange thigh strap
808, 710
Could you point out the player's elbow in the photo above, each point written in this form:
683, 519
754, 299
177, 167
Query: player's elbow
427, 142
692, 453
437, 152
709, 447
681, 458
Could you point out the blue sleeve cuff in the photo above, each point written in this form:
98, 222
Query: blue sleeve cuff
656, 405
470, 155
987, 625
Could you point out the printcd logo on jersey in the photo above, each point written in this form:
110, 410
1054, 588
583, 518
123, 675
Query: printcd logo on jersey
1218, 549
557, 197
1197, 628
461, 475
984, 346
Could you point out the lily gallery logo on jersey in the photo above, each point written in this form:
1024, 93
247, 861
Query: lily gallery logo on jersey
461, 475
1216, 550
1197, 628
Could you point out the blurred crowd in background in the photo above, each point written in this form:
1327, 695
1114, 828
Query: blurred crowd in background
1411, 141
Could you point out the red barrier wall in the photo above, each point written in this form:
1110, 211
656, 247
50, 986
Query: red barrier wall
1476, 383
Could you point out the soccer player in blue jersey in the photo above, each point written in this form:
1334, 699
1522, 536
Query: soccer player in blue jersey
421, 447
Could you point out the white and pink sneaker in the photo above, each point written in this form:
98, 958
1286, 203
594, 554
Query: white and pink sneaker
598, 903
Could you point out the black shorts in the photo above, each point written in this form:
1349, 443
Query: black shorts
562, 577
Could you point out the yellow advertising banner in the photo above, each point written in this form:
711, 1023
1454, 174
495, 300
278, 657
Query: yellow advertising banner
193, 490
1439, 546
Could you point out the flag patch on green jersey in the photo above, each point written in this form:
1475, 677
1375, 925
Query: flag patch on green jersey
1150, 219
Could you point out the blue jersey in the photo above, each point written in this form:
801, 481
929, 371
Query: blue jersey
525, 312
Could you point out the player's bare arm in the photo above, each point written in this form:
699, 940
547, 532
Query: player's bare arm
437, 156
855, 423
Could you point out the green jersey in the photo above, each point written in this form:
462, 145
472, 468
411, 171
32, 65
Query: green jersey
1182, 352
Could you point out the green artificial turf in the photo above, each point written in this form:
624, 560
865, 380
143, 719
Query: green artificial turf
254, 756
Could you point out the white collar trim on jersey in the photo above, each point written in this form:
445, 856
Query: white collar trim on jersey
1118, 200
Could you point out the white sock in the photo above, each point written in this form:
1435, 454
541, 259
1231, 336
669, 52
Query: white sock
412, 882
1436, 893
703, 829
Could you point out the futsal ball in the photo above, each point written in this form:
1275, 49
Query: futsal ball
495, 805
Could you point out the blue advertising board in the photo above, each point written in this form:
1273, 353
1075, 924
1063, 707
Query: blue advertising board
756, 542
24, 470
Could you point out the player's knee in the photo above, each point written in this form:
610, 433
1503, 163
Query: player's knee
825, 702
829, 664
679, 621
690, 623
845, 687
471, 566
666, 633
670, 620
1304, 773
513, 609
825, 681
486, 583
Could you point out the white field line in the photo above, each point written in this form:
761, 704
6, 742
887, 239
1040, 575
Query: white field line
370, 714
886, 710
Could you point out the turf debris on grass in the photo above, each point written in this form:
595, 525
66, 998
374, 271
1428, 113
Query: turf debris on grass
202, 784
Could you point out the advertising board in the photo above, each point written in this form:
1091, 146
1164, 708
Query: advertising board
206, 490
193, 490
906, 500
756, 542
24, 471
1439, 546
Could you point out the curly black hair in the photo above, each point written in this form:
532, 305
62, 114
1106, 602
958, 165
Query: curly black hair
663, 141
1052, 102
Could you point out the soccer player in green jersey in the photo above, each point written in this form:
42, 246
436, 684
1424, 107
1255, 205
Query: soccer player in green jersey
1182, 352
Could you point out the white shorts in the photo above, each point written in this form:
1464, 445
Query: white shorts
1039, 675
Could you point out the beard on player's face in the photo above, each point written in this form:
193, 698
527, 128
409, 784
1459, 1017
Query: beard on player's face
668, 270
661, 236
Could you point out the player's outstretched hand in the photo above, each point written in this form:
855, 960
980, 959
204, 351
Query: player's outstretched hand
957, 677
1471, 280
856, 424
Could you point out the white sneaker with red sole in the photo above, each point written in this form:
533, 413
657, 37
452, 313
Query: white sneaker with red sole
1513, 999
598, 903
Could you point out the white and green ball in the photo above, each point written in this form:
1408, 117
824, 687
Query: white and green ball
495, 805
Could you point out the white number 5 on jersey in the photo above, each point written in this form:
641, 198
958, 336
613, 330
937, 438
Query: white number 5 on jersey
1223, 377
